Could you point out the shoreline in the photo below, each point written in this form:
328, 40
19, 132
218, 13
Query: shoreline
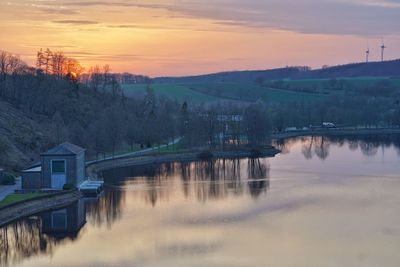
148, 158
94, 168
336, 132
22, 209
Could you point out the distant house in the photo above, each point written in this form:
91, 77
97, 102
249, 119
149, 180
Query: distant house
328, 125
63, 164
230, 118
291, 129
231, 129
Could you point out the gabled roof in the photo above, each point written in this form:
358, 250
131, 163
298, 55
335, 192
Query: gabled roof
34, 169
64, 149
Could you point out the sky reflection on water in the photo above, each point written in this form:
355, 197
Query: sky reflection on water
337, 207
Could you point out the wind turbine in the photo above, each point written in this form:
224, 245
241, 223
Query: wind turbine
383, 47
367, 54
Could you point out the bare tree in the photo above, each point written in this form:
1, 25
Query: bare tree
106, 78
58, 64
44, 61
95, 78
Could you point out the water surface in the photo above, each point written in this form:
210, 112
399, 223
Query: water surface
322, 202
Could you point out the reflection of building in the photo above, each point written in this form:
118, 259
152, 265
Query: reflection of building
64, 222
41, 234
63, 164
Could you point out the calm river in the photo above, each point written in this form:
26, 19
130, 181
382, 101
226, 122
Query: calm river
321, 202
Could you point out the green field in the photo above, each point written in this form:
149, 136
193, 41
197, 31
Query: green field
199, 93
252, 92
270, 91
327, 83
175, 92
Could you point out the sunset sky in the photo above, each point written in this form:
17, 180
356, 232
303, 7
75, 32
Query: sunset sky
181, 37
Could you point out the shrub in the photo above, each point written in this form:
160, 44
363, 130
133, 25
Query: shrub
7, 179
68, 187
205, 155
256, 153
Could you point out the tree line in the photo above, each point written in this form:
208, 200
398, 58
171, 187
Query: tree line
347, 110
89, 108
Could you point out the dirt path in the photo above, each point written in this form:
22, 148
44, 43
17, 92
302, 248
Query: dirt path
136, 153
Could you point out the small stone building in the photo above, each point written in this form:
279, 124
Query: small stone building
63, 164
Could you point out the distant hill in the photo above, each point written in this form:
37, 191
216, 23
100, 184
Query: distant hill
372, 69
234, 76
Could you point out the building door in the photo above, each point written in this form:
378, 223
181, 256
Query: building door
58, 174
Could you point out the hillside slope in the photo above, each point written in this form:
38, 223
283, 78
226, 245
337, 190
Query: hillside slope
20, 138
372, 69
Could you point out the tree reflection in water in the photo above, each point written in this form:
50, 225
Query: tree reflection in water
40, 234
23, 239
106, 209
320, 145
203, 180
258, 172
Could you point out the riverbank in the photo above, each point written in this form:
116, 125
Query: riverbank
141, 152
14, 198
336, 132
43, 203
94, 168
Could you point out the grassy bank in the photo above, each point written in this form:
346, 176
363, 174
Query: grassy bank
15, 198
19, 206
124, 149
172, 149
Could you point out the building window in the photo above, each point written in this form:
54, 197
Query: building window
58, 166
